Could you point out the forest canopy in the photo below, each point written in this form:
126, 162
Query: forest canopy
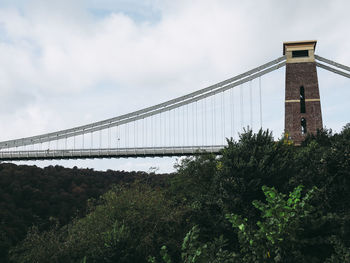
259, 201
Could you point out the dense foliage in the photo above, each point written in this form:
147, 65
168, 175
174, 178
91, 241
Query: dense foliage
260, 201
30, 195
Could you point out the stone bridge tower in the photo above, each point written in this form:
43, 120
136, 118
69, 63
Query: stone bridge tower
302, 97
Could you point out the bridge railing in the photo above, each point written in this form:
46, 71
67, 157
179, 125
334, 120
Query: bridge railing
107, 153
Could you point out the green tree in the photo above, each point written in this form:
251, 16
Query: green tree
129, 223
124, 225
278, 235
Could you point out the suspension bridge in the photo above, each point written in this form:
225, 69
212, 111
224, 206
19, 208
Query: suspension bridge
191, 124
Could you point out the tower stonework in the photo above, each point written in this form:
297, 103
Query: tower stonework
302, 97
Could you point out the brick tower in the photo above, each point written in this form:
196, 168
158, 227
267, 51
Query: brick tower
302, 104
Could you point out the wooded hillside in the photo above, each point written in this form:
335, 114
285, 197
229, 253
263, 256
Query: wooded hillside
32, 196
260, 201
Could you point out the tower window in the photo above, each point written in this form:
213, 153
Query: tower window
303, 126
300, 53
302, 100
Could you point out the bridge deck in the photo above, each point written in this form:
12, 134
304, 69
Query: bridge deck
107, 153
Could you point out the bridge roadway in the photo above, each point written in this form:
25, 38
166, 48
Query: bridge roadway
107, 153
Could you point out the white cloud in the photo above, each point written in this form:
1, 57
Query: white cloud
61, 65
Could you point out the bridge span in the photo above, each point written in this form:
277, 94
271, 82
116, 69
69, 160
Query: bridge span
194, 123
108, 153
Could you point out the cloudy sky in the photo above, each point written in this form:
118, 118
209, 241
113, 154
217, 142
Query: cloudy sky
67, 63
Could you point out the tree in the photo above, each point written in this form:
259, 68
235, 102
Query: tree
124, 225
279, 235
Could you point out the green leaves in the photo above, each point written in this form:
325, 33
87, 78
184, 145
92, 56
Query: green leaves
278, 231
218, 202
165, 256
126, 225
